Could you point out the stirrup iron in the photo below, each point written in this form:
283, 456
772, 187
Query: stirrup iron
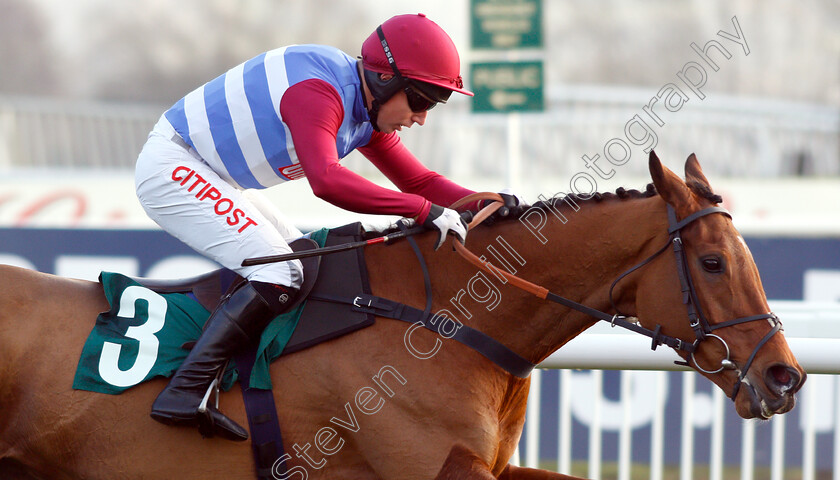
214, 388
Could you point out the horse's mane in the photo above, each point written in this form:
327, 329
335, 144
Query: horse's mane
573, 200
622, 193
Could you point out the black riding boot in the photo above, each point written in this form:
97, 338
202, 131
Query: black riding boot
236, 322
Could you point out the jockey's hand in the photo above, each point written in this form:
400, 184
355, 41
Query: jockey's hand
446, 220
511, 203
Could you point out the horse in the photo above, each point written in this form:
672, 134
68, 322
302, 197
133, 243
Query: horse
395, 401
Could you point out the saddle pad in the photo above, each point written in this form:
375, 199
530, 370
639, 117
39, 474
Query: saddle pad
137, 341
139, 338
341, 274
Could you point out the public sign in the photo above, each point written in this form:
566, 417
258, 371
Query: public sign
507, 86
506, 24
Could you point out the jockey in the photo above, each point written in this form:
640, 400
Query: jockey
286, 114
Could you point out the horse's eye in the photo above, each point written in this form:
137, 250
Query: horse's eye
712, 264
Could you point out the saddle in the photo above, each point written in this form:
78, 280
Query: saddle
336, 274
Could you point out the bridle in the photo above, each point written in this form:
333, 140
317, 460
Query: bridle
703, 330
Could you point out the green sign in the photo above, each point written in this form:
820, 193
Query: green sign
506, 24
507, 86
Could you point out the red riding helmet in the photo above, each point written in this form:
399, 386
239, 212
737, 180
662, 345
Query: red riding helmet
419, 50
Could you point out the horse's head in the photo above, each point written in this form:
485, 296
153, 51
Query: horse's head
714, 284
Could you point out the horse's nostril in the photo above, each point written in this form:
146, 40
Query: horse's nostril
781, 375
782, 378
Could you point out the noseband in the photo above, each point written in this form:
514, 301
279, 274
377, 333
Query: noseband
703, 330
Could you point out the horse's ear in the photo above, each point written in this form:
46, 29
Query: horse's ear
671, 188
697, 182
694, 174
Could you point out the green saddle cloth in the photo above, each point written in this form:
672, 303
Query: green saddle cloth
142, 336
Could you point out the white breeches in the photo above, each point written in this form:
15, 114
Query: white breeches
193, 203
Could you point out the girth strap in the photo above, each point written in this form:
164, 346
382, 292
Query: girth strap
266, 440
490, 348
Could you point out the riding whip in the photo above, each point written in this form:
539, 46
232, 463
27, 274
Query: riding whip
315, 252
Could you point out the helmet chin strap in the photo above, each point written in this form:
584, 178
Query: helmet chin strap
373, 111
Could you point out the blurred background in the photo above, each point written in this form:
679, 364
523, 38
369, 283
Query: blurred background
82, 82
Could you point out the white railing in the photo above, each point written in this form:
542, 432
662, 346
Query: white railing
40, 133
768, 138
703, 411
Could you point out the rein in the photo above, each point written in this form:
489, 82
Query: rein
698, 322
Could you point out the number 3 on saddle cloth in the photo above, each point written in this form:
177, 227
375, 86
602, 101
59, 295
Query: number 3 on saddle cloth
136, 340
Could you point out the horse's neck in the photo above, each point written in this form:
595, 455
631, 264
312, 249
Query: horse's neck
577, 259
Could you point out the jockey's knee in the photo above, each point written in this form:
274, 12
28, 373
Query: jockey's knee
278, 284
289, 273
278, 297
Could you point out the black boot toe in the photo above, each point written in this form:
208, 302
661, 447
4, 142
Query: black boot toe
214, 423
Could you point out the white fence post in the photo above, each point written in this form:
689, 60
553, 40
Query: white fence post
697, 410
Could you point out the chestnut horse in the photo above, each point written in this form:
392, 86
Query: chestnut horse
394, 402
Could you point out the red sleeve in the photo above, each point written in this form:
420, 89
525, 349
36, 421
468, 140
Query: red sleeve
392, 158
313, 111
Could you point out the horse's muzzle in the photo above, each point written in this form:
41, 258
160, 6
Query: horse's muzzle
775, 396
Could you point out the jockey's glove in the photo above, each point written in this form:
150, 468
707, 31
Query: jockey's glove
446, 220
511, 203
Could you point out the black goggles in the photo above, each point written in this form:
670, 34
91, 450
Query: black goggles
423, 96
416, 101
